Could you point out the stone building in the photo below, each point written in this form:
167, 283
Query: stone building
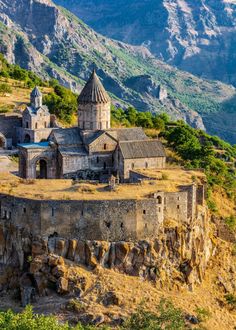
90, 151
36, 120
33, 126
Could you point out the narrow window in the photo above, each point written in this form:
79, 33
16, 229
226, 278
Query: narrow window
27, 124
132, 165
45, 125
36, 125
108, 224
24, 210
146, 165
178, 207
105, 146
121, 225
53, 212
97, 160
82, 212
159, 209
144, 211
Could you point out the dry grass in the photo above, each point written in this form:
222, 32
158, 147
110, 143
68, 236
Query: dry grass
132, 291
20, 95
225, 206
65, 189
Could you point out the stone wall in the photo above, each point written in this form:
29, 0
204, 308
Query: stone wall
108, 220
8, 125
94, 116
35, 135
31, 156
127, 165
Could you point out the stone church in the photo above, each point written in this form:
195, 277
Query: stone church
34, 125
92, 150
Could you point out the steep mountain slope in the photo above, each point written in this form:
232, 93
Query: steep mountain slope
197, 36
52, 42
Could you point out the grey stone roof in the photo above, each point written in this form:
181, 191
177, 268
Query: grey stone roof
128, 134
67, 136
36, 92
33, 111
93, 91
92, 136
142, 149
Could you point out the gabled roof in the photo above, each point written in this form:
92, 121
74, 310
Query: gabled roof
142, 149
93, 91
67, 136
33, 111
128, 134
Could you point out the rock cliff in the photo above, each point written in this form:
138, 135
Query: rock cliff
197, 36
52, 42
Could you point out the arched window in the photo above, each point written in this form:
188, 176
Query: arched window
132, 166
45, 124
27, 138
97, 160
36, 125
159, 199
105, 146
146, 164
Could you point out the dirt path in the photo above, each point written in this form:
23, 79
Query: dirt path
7, 165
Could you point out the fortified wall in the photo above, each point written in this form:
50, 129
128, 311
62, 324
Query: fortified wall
104, 220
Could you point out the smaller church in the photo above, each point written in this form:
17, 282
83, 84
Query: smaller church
92, 150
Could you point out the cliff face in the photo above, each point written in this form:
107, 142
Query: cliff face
177, 257
197, 36
53, 43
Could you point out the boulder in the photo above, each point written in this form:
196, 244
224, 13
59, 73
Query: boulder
110, 298
62, 285
72, 249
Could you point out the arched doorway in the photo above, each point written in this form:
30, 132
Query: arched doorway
2, 141
41, 169
27, 138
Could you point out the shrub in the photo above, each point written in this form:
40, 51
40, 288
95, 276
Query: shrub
5, 88
203, 314
168, 317
231, 300
231, 222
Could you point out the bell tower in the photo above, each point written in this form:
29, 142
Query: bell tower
94, 106
36, 98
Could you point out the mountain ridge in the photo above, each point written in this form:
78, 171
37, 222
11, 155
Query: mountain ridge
51, 41
198, 37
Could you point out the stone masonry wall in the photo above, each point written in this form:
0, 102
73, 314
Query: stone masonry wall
8, 125
108, 220
111, 220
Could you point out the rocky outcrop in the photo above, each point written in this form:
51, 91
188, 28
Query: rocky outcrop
197, 36
53, 43
177, 258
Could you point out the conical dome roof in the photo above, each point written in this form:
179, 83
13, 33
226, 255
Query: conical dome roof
36, 92
93, 91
